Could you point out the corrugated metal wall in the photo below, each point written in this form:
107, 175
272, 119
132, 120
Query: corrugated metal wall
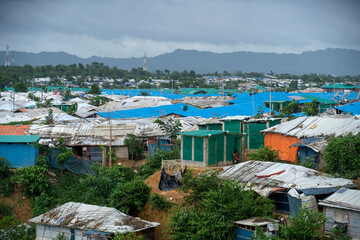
353, 229
19, 154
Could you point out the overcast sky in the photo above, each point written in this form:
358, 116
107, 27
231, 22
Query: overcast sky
128, 28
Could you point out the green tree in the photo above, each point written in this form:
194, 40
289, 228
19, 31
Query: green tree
135, 147
221, 204
170, 127
128, 236
306, 224
130, 197
290, 109
312, 108
154, 164
64, 153
265, 154
34, 179
72, 109
20, 87
95, 89
11, 229
100, 186
342, 156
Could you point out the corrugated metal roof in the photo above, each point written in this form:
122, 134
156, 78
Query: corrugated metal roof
18, 138
91, 217
203, 133
236, 118
304, 127
343, 198
316, 144
13, 130
266, 176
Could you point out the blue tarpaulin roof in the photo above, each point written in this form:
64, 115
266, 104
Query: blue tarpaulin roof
353, 108
148, 112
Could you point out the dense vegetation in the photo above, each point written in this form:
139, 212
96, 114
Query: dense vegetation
342, 156
21, 76
212, 207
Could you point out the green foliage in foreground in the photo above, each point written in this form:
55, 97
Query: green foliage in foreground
128, 236
34, 179
5, 209
213, 213
342, 156
130, 197
159, 202
10, 229
306, 224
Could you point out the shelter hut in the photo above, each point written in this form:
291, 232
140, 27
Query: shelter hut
342, 210
17, 149
252, 128
283, 137
246, 229
79, 221
205, 148
275, 180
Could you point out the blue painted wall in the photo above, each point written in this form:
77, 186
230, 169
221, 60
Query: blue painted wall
19, 154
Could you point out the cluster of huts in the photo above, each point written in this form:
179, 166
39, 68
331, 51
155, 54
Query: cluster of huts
212, 132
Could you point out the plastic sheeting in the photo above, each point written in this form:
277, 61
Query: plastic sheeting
282, 143
170, 182
75, 164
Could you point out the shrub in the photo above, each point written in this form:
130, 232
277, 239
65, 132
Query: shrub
265, 154
4, 168
130, 197
216, 211
7, 186
5, 209
159, 202
306, 224
154, 164
42, 204
99, 187
34, 179
42, 161
342, 155
128, 236
135, 147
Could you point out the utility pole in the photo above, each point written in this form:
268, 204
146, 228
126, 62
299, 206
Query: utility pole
110, 152
252, 90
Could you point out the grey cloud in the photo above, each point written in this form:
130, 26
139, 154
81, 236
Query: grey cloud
230, 25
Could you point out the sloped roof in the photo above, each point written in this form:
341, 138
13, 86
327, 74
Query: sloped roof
343, 198
266, 176
91, 217
13, 130
353, 108
304, 127
18, 138
203, 133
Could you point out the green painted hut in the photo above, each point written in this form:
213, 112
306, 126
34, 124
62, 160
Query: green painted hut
203, 148
252, 127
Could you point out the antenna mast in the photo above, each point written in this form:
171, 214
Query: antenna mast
145, 63
7, 57
13, 59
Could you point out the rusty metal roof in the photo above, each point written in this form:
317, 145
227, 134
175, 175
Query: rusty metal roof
91, 217
13, 130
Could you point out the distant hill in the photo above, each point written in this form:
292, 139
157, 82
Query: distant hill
334, 61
